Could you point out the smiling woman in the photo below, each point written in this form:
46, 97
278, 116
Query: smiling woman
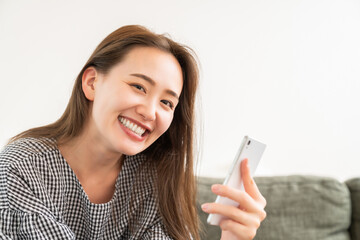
116, 153
118, 164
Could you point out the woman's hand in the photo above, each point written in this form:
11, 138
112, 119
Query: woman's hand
243, 221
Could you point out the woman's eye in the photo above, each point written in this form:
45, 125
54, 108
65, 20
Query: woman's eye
138, 87
168, 103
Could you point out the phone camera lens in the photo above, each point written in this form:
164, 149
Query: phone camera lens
249, 142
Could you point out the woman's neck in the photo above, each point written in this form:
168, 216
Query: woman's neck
96, 168
90, 158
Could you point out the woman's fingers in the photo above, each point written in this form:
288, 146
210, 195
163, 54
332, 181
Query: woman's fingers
233, 231
233, 213
242, 222
250, 185
245, 201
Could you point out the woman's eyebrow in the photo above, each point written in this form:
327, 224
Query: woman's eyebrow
146, 78
153, 83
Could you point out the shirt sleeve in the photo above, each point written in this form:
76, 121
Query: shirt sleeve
156, 232
19, 225
22, 214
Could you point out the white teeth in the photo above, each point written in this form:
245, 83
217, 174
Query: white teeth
132, 126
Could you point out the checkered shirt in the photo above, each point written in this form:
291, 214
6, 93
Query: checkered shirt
41, 198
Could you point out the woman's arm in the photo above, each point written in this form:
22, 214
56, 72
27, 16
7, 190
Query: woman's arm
23, 215
243, 221
20, 225
156, 232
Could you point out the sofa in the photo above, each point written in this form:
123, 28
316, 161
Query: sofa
298, 207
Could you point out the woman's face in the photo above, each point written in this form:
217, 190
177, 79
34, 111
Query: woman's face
134, 102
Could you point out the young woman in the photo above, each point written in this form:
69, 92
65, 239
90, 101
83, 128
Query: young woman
118, 164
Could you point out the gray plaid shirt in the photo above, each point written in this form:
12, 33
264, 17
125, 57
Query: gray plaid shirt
41, 198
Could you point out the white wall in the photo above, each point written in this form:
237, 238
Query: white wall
285, 72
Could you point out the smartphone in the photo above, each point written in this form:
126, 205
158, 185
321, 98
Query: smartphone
250, 149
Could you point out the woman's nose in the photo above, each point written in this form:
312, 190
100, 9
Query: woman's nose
147, 110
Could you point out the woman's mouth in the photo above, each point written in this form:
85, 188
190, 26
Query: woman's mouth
132, 126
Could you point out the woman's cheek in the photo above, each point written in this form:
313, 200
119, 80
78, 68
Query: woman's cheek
166, 121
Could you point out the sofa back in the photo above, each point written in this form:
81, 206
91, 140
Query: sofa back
299, 207
354, 187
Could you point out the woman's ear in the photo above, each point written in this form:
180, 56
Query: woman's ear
89, 79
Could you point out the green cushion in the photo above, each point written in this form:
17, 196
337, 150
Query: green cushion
299, 207
354, 187
304, 207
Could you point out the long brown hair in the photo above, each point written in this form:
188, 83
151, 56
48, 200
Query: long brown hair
171, 154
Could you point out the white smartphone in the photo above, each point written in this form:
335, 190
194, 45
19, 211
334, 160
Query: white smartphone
250, 149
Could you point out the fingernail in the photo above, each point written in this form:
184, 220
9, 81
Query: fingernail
205, 207
247, 162
216, 188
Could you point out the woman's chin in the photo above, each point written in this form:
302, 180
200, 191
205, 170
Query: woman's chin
130, 151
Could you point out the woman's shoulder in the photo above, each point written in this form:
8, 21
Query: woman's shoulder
25, 148
26, 184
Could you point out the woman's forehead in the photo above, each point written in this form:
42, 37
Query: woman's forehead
157, 66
